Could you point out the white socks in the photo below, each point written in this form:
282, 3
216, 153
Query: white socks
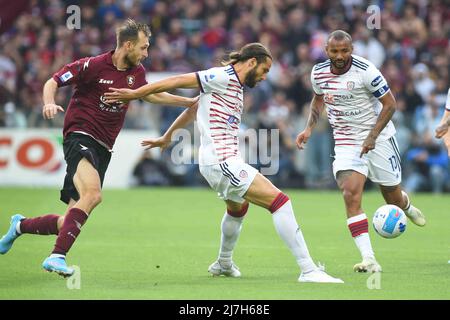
289, 231
231, 228
359, 229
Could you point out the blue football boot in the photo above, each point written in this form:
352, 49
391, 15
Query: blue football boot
7, 240
58, 265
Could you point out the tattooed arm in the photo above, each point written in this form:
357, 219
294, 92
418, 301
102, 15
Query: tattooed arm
316, 109
386, 114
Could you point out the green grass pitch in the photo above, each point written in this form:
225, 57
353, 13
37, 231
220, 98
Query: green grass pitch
158, 244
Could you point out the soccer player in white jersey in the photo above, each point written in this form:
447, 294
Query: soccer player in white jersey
219, 115
442, 129
359, 106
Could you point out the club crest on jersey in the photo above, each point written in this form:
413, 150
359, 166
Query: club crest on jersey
350, 85
130, 81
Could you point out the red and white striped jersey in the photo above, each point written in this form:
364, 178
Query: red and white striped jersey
351, 100
219, 114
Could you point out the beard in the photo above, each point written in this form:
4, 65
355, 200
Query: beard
130, 63
340, 64
250, 80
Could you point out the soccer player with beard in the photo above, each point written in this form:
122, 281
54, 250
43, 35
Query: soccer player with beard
359, 107
442, 129
91, 126
219, 115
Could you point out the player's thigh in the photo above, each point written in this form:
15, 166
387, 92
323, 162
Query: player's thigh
351, 184
392, 194
86, 179
261, 192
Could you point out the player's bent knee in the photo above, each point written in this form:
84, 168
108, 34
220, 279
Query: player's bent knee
238, 213
351, 196
93, 197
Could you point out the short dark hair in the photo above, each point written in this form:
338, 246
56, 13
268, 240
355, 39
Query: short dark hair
339, 35
251, 50
129, 31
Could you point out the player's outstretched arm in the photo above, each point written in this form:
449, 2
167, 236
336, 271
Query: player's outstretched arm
182, 121
388, 110
50, 108
188, 80
168, 99
316, 109
442, 130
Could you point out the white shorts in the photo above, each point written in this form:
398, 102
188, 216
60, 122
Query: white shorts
381, 165
231, 178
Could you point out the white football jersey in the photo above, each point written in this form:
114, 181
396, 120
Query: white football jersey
351, 100
219, 114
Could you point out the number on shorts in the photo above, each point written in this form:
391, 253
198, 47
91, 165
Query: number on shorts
394, 163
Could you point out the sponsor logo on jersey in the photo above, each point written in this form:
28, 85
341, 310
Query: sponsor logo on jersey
66, 76
111, 107
329, 98
105, 81
336, 98
340, 113
376, 81
130, 80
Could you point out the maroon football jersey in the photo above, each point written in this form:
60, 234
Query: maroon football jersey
87, 112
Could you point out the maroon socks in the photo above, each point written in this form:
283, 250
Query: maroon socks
43, 225
70, 230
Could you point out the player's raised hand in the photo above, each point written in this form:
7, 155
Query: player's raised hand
161, 142
119, 95
50, 110
368, 144
302, 139
441, 130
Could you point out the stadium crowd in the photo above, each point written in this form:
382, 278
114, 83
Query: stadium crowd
411, 47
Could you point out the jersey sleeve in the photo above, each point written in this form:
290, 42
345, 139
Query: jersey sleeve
314, 85
212, 80
375, 82
74, 72
447, 104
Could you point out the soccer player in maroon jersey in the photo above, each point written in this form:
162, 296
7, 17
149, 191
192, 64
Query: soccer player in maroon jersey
90, 129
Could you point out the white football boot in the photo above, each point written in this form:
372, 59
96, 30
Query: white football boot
217, 269
318, 276
369, 264
414, 214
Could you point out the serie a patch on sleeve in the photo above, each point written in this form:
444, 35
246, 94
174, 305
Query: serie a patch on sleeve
66, 76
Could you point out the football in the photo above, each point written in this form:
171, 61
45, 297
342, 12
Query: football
389, 221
